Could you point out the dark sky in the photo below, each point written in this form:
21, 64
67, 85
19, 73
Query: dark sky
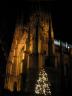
61, 17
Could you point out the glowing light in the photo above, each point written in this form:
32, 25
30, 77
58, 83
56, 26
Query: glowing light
42, 86
57, 42
66, 44
68, 47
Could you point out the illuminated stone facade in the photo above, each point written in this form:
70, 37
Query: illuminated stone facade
23, 47
30, 48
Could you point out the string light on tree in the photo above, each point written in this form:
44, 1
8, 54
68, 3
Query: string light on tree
42, 85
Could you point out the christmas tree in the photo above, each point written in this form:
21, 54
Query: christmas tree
42, 85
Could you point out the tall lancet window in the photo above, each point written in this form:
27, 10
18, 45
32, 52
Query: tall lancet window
22, 56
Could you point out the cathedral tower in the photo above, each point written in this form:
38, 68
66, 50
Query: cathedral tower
29, 49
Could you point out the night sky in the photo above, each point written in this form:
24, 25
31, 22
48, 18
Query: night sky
61, 19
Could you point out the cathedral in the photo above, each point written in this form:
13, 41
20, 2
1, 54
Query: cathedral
33, 52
